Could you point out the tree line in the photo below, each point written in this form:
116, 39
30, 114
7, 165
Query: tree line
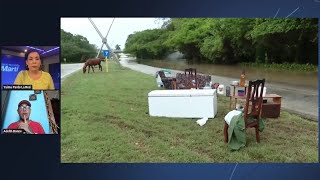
76, 48
230, 40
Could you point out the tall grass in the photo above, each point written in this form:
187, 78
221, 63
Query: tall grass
284, 66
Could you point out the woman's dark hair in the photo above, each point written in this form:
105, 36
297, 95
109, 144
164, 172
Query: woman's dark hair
26, 58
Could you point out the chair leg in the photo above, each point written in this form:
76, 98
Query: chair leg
257, 134
225, 132
174, 85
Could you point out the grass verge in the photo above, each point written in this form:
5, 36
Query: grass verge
105, 119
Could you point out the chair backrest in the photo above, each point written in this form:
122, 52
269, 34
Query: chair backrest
254, 100
191, 71
161, 74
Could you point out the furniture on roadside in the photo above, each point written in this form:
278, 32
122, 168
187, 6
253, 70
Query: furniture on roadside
271, 109
191, 80
203, 81
235, 97
186, 81
191, 73
252, 109
187, 103
168, 82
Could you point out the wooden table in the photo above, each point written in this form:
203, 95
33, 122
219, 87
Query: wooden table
236, 97
271, 109
275, 98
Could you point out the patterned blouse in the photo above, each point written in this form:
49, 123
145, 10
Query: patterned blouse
43, 83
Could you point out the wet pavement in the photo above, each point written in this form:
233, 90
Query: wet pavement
296, 100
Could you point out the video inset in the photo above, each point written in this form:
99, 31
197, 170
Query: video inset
30, 112
30, 67
189, 90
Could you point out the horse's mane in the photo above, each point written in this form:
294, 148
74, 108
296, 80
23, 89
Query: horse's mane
86, 63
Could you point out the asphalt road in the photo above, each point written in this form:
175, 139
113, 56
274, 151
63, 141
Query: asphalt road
67, 69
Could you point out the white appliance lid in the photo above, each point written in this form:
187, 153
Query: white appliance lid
182, 93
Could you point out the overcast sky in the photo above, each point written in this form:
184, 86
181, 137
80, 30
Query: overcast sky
121, 28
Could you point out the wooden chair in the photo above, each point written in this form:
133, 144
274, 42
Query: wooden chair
252, 109
192, 73
168, 82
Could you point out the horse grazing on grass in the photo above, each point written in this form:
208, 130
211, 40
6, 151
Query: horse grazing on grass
91, 63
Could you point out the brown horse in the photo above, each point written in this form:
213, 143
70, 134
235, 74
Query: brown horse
91, 63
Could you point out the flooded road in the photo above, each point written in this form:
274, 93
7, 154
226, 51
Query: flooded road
308, 80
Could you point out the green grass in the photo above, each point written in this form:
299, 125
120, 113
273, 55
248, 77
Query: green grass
105, 119
284, 66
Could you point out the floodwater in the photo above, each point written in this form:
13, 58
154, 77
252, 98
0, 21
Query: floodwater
308, 80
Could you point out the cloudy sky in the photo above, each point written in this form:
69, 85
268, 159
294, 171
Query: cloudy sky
121, 28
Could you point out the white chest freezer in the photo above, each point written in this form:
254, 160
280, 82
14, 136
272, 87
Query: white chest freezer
187, 103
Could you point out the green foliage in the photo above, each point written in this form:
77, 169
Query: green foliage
117, 47
188, 35
212, 48
76, 48
293, 40
231, 40
285, 66
147, 44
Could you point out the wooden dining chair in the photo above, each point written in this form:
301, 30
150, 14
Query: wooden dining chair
191, 74
252, 109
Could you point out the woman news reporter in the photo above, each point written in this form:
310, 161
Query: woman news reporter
33, 75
